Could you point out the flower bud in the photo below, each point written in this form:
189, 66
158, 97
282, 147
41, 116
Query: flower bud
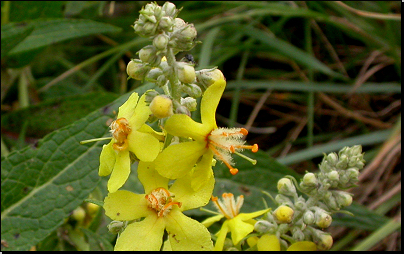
79, 214
207, 77
309, 179
192, 90
137, 70
161, 106
154, 74
343, 162
283, 214
283, 200
324, 242
161, 81
147, 54
342, 198
92, 208
166, 24
170, 9
187, 34
183, 110
185, 73
190, 103
332, 159
115, 226
263, 226
333, 175
297, 234
323, 219
286, 187
308, 217
160, 41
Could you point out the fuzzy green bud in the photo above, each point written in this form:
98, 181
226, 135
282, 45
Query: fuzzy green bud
160, 41
166, 24
309, 217
263, 226
309, 179
185, 73
147, 54
286, 187
283, 214
79, 214
324, 242
161, 106
137, 70
189, 102
283, 200
333, 175
343, 162
297, 234
115, 226
342, 198
183, 110
170, 9
154, 74
207, 77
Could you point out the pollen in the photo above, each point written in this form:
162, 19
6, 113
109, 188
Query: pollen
120, 130
228, 206
161, 201
226, 141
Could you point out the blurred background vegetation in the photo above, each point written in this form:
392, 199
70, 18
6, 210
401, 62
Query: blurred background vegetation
305, 78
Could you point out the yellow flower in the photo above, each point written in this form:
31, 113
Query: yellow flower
208, 140
239, 224
130, 134
161, 207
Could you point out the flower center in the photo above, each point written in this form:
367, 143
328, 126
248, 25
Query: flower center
161, 201
120, 129
228, 206
225, 141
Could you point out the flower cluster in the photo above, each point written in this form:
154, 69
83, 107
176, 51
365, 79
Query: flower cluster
174, 164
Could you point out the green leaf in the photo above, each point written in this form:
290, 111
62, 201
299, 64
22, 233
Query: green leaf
41, 186
28, 10
97, 242
12, 34
52, 31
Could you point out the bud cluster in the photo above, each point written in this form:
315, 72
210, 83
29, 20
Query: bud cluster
299, 219
170, 35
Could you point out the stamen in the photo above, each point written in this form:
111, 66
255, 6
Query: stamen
233, 171
247, 158
219, 207
94, 140
160, 201
229, 207
167, 208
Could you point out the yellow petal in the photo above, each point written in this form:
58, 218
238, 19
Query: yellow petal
268, 243
203, 171
221, 236
183, 126
177, 160
128, 108
107, 159
146, 235
187, 234
209, 103
189, 197
140, 115
125, 205
149, 177
303, 246
143, 145
147, 129
239, 229
209, 221
121, 171
248, 216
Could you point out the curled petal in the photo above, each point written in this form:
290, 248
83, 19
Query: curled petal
210, 101
107, 159
121, 171
140, 115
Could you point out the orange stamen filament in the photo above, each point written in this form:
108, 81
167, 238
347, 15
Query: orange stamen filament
215, 201
228, 206
233, 171
168, 208
160, 200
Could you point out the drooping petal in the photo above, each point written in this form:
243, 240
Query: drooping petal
127, 109
190, 198
187, 234
183, 126
209, 221
121, 171
149, 177
268, 243
107, 159
239, 229
177, 160
147, 129
221, 236
203, 171
248, 216
146, 235
144, 145
303, 246
140, 115
125, 205
210, 101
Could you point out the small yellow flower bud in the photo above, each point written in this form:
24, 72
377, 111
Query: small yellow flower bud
325, 242
284, 214
286, 187
186, 73
161, 106
92, 208
160, 41
79, 214
323, 220
146, 54
137, 70
333, 175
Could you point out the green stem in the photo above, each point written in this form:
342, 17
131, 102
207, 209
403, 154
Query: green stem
23, 97
175, 91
